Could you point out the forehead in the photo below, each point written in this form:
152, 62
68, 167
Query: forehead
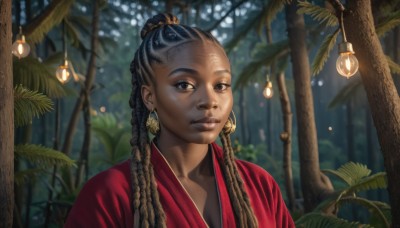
197, 52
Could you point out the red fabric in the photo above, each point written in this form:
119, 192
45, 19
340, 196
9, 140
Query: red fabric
105, 200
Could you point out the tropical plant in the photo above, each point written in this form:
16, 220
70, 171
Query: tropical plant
353, 178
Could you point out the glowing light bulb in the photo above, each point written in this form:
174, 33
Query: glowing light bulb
63, 72
268, 91
347, 63
20, 47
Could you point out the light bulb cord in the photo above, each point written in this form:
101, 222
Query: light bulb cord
63, 41
342, 27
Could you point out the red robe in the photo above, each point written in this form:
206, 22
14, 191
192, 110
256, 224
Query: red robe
105, 200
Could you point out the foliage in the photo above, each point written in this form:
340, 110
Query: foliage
346, 93
265, 55
42, 156
323, 52
34, 75
322, 15
29, 104
391, 21
356, 178
51, 16
113, 136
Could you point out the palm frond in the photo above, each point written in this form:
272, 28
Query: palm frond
29, 104
370, 205
386, 25
51, 16
351, 172
21, 177
42, 156
265, 56
37, 76
346, 93
322, 15
74, 35
269, 13
376, 181
323, 52
394, 67
315, 219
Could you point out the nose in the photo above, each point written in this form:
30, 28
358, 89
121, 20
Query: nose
207, 98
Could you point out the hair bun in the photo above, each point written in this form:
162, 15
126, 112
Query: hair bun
158, 21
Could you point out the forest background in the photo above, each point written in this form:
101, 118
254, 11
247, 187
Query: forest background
64, 133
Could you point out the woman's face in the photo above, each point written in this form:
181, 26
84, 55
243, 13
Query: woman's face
192, 92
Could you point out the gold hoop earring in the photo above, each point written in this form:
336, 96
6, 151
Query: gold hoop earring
152, 123
230, 125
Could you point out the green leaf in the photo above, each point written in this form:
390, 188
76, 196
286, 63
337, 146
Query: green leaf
265, 55
322, 15
346, 93
51, 16
323, 52
387, 24
37, 76
268, 13
29, 104
351, 172
370, 205
394, 67
376, 181
42, 156
315, 219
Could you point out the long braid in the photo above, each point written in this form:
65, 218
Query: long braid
237, 193
159, 34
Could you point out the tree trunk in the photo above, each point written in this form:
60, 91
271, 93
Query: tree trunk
315, 186
286, 137
7, 118
90, 77
382, 95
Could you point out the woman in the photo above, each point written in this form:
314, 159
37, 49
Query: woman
181, 93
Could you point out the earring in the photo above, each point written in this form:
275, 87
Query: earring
152, 123
230, 125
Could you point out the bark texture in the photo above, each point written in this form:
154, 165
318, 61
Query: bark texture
6, 118
381, 92
315, 186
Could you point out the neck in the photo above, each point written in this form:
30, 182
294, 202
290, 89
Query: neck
186, 160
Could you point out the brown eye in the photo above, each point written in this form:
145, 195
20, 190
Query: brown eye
184, 86
222, 86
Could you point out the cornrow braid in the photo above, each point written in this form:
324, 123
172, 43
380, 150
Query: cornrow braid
159, 34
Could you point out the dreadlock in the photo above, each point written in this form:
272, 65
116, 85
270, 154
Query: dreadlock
160, 33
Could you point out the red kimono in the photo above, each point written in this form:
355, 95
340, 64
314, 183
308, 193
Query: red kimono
105, 200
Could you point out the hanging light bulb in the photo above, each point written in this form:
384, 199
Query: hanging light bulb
268, 91
63, 72
347, 63
20, 47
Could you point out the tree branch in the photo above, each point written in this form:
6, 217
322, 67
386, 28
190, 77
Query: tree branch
225, 16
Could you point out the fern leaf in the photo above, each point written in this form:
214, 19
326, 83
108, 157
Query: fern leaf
21, 177
321, 220
394, 67
42, 156
265, 56
323, 15
37, 76
323, 52
51, 16
351, 172
375, 181
370, 205
390, 22
346, 93
29, 104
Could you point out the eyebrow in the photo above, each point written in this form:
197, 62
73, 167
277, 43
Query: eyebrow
191, 71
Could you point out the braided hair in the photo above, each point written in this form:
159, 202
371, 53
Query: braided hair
160, 33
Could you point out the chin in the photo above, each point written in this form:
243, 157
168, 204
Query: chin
205, 138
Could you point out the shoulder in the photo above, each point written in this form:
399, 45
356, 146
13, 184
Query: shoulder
104, 200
